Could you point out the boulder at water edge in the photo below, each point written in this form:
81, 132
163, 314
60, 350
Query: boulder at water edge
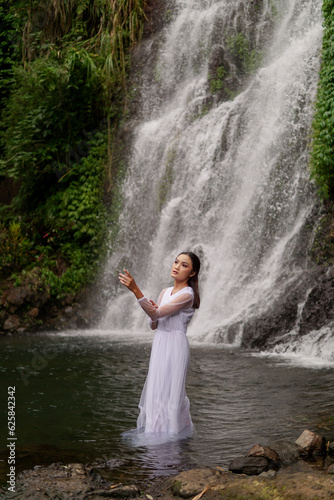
288, 452
251, 466
263, 451
310, 442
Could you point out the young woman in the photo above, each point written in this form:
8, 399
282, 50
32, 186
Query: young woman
164, 405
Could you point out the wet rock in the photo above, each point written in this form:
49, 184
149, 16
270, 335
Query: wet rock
82, 322
77, 470
251, 466
154, 11
279, 320
25, 301
310, 442
33, 312
305, 305
263, 451
12, 323
330, 469
17, 295
288, 452
331, 448
318, 309
192, 482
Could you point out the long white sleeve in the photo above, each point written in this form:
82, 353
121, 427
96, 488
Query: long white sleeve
182, 301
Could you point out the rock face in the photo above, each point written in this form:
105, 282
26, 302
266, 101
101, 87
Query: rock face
307, 305
21, 304
318, 309
29, 307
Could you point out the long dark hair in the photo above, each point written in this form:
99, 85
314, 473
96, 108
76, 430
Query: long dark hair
193, 281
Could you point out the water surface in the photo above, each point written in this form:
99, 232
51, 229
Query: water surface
77, 392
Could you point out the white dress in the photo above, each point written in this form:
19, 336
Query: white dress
164, 405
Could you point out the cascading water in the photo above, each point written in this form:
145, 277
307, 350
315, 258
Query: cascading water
218, 159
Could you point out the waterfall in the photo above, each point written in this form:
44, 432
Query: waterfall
218, 159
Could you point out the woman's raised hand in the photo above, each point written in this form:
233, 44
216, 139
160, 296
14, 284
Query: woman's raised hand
127, 280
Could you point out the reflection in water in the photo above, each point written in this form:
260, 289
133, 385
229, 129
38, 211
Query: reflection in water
165, 457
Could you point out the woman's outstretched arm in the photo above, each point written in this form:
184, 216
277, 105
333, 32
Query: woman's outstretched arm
155, 311
127, 280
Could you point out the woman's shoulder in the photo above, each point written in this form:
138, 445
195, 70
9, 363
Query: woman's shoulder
166, 291
186, 289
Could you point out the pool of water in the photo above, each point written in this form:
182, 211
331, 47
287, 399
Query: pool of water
77, 392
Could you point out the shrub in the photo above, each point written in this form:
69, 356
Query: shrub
322, 152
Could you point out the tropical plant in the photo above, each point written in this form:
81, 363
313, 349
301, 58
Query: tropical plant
322, 152
64, 103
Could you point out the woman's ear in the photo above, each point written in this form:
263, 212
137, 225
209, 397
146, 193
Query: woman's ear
192, 274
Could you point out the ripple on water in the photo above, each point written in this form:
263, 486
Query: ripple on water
77, 406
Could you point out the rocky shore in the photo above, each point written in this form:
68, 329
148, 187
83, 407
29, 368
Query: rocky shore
281, 471
28, 307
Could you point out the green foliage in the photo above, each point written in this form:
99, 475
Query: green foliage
14, 247
217, 84
322, 154
10, 50
239, 46
322, 250
65, 100
69, 227
43, 120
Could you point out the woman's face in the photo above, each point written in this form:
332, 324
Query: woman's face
182, 268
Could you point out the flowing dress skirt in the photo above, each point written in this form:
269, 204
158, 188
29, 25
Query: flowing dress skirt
164, 405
